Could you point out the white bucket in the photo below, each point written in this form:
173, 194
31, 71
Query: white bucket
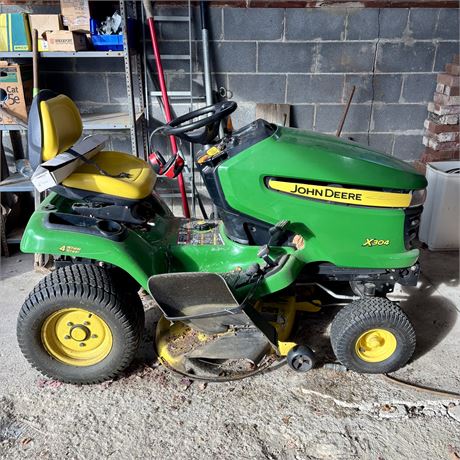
440, 223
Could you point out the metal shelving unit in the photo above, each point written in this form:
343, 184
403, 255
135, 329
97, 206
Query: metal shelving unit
16, 183
61, 54
133, 119
94, 121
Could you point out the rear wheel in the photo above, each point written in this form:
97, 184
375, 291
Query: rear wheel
80, 324
372, 335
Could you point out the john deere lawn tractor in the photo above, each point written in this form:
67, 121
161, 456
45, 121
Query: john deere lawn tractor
298, 214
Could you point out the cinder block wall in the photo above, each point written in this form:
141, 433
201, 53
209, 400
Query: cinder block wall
307, 57
310, 58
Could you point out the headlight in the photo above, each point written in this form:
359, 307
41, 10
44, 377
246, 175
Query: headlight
418, 198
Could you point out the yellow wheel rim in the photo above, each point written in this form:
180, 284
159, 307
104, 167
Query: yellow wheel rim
76, 337
375, 345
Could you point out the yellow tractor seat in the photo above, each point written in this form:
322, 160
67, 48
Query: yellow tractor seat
55, 126
138, 185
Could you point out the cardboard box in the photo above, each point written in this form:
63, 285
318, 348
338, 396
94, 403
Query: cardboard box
54, 171
15, 91
66, 40
14, 32
76, 14
44, 23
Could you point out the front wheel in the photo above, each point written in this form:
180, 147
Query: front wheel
80, 324
372, 335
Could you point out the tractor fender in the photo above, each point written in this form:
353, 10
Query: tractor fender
133, 254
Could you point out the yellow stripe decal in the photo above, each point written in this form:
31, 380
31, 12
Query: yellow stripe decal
343, 195
10, 33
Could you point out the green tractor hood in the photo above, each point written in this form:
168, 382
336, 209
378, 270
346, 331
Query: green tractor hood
324, 158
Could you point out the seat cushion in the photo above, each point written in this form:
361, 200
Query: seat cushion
137, 186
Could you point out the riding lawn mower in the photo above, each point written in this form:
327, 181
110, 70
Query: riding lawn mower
303, 221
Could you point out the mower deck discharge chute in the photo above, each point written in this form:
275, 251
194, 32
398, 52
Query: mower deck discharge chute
305, 221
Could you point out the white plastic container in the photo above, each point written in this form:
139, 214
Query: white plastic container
440, 223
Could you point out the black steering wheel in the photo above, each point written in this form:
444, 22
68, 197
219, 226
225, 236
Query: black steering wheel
183, 126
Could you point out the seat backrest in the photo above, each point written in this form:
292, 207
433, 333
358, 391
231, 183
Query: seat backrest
54, 126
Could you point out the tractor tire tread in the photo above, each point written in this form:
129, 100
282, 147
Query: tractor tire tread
95, 284
363, 312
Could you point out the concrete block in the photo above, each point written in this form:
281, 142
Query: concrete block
399, 57
362, 23
345, 57
258, 88
57, 65
314, 88
393, 22
117, 88
181, 82
448, 26
179, 30
315, 23
398, 117
445, 54
121, 142
245, 114
253, 23
286, 57
302, 116
377, 141
408, 147
178, 81
418, 87
422, 22
232, 56
173, 48
102, 108
328, 118
82, 87
384, 87
93, 64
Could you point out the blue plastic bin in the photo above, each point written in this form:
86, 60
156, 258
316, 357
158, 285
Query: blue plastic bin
112, 42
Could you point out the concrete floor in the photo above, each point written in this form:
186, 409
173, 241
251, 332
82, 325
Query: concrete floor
323, 414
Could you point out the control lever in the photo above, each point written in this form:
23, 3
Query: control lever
264, 253
277, 231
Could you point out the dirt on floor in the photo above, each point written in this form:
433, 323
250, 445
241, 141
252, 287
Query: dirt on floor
323, 414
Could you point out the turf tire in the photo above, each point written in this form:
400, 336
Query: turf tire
95, 289
365, 314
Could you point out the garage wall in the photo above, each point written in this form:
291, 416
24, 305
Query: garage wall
307, 57
310, 58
